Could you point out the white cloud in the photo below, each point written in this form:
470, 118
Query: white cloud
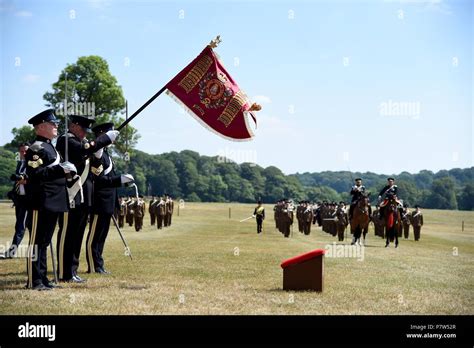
262, 99
23, 14
31, 78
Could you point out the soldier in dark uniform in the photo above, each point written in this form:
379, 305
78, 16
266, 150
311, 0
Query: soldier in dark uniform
166, 216
151, 210
20, 200
287, 218
318, 213
139, 213
122, 212
72, 227
417, 222
357, 192
378, 224
389, 190
259, 215
160, 211
342, 221
170, 209
129, 217
105, 201
299, 217
406, 221
275, 214
47, 195
307, 217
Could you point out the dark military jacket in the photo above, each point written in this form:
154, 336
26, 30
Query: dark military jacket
259, 212
356, 193
389, 190
105, 181
46, 187
79, 152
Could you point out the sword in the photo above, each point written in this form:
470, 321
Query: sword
136, 189
127, 248
250, 217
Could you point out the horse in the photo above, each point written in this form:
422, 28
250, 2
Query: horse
392, 221
360, 219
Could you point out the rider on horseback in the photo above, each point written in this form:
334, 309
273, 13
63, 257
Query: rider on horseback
388, 192
357, 192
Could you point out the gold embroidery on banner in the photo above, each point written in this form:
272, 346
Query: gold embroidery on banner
232, 109
197, 72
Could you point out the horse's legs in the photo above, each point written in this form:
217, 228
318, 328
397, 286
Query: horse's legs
396, 240
366, 230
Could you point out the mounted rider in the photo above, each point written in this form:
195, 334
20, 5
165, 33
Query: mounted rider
389, 191
357, 192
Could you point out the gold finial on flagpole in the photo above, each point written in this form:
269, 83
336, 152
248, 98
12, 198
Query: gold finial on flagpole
214, 43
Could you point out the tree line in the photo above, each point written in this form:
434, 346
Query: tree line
196, 178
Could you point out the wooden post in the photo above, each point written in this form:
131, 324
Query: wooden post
229, 213
463, 225
178, 209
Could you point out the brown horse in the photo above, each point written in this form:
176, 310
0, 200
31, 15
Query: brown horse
392, 221
360, 219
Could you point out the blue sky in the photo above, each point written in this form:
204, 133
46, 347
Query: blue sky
332, 76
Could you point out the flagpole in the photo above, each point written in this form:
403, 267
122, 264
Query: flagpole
149, 101
213, 44
66, 155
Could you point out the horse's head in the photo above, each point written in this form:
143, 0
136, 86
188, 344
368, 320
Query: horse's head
364, 200
392, 202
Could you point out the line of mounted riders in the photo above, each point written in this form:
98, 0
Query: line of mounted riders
391, 218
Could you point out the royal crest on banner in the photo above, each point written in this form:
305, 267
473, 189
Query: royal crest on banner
207, 91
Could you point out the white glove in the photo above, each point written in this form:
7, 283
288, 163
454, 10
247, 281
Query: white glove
98, 154
126, 178
68, 167
112, 134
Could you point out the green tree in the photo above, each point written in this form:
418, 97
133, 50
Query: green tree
20, 135
7, 168
443, 194
92, 91
163, 177
466, 198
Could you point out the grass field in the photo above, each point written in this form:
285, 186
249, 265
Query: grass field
206, 263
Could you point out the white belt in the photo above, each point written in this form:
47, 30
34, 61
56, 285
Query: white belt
78, 184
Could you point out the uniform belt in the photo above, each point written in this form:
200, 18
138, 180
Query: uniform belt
72, 192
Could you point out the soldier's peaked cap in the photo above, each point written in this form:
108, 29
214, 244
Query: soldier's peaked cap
390, 178
44, 116
103, 127
83, 121
357, 179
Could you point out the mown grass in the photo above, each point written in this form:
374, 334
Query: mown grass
206, 263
